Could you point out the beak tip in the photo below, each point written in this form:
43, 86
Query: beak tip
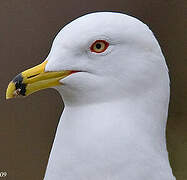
8, 97
10, 90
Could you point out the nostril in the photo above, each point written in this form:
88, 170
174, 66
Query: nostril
32, 76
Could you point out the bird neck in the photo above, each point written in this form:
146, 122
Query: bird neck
121, 134
144, 115
141, 118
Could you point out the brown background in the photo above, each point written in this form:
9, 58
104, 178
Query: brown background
27, 28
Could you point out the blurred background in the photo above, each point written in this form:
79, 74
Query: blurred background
27, 29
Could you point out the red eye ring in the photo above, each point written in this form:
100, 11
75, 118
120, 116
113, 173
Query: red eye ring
99, 46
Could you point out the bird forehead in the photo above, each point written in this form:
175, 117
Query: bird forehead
116, 27
96, 24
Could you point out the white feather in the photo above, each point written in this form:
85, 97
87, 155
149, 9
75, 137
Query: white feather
113, 124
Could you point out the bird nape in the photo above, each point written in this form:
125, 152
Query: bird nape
109, 69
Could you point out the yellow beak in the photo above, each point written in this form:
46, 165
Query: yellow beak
34, 79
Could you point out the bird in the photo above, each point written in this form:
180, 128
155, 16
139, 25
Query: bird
113, 78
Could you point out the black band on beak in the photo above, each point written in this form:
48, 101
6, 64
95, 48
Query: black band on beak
20, 86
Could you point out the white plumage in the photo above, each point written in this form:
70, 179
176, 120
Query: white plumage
113, 124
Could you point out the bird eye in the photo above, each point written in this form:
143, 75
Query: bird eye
99, 46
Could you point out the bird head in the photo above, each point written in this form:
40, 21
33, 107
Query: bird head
94, 56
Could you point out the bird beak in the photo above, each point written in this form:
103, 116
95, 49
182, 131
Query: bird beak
34, 79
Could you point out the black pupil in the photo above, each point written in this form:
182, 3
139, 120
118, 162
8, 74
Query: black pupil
98, 46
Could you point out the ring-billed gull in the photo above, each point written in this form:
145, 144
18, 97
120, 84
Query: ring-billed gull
110, 71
